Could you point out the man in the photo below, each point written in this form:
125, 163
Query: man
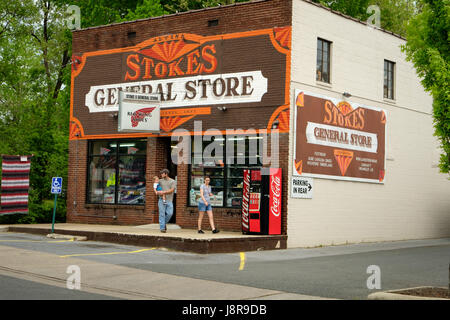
165, 209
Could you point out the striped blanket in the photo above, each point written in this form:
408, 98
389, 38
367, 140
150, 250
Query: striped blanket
15, 184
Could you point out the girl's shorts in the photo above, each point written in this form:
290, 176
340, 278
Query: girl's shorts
203, 207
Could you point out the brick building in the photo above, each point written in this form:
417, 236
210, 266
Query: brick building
247, 69
242, 73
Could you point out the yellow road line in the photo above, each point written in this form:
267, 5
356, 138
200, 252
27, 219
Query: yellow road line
241, 266
104, 254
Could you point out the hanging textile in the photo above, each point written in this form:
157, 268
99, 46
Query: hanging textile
15, 184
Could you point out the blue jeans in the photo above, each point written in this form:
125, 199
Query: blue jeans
165, 213
204, 207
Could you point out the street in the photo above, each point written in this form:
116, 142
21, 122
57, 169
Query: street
36, 267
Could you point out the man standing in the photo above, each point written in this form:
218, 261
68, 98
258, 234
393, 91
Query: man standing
165, 209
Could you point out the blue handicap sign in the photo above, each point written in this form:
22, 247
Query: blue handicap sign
56, 185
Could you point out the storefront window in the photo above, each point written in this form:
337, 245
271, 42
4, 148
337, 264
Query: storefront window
116, 172
225, 170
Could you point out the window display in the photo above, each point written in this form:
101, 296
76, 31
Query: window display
102, 186
131, 180
116, 175
226, 178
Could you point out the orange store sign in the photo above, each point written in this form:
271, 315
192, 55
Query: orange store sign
187, 71
338, 140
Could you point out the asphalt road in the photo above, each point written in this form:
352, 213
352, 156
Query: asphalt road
333, 272
18, 289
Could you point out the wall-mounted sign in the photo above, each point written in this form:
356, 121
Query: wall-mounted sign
302, 187
193, 75
138, 112
230, 88
338, 140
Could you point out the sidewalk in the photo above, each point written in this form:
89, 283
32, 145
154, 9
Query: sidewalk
187, 240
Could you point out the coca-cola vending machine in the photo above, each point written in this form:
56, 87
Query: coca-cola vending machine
261, 201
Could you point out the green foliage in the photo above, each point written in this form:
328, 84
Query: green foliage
428, 48
146, 9
101, 12
355, 8
394, 14
185, 5
34, 98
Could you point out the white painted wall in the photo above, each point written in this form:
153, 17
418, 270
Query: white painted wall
414, 201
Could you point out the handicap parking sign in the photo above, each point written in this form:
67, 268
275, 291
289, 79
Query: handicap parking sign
56, 185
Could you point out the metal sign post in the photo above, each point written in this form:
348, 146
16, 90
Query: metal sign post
56, 189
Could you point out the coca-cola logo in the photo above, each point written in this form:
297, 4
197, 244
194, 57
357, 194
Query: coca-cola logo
140, 115
245, 199
276, 196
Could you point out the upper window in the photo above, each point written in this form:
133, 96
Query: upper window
116, 173
323, 60
389, 68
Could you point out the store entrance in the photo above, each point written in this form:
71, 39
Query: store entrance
172, 167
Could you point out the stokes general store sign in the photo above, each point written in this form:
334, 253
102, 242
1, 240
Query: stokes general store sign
152, 69
185, 70
338, 140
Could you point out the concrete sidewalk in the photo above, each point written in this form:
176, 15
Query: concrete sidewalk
187, 240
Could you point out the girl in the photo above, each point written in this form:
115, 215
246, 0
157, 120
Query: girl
204, 204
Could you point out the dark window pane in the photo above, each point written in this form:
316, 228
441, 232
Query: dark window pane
129, 186
323, 60
388, 79
102, 179
325, 77
131, 180
319, 70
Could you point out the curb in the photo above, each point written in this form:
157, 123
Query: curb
194, 245
4, 229
393, 295
66, 237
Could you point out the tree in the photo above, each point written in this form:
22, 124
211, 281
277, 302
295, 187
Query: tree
394, 14
146, 9
185, 5
101, 12
34, 60
428, 48
355, 8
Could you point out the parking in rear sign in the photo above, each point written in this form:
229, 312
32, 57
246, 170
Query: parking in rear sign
302, 187
56, 185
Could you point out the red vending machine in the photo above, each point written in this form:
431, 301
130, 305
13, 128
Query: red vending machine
261, 201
